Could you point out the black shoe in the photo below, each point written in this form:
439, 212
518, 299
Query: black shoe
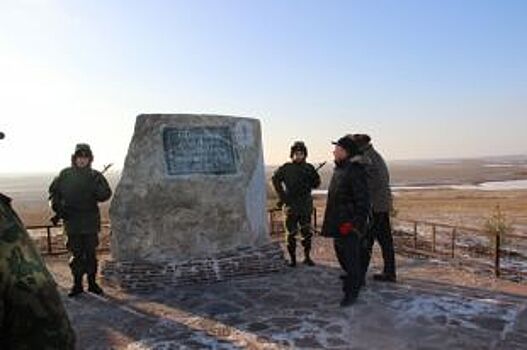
384, 277
75, 290
95, 289
292, 256
348, 300
309, 262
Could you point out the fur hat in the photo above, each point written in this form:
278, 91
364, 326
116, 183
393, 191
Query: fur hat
348, 144
361, 139
298, 146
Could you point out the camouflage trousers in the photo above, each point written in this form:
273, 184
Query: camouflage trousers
84, 256
298, 222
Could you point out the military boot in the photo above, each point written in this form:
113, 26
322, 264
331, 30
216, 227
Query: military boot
292, 255
93, 286
307, 258
77, 286
349, 299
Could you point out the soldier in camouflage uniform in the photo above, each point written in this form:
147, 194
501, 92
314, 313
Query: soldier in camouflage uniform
32, 315
74, 195
293, 183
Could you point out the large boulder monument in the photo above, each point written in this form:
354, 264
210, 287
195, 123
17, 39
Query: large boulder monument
191, 203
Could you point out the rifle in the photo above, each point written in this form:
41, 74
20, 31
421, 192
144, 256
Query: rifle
280, 204
56, 218
320, 166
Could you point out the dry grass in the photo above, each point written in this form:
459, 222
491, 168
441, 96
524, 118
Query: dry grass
462, 207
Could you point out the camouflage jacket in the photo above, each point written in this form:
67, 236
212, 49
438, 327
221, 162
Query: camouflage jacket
75, 194
32, 315
293, 183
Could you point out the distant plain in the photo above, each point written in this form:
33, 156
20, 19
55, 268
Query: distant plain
444, 191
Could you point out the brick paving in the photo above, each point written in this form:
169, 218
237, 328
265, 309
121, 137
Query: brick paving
433, 306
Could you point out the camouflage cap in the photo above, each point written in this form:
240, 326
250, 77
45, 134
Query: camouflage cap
83, 149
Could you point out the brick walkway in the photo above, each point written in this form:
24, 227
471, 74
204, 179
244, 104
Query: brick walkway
430, 308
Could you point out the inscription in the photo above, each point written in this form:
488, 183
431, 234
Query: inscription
199, 150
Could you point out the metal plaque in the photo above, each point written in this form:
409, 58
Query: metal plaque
199, 150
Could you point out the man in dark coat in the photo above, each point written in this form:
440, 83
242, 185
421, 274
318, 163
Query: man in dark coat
74, 195
381, 198
293, 183
347, 213
32, 315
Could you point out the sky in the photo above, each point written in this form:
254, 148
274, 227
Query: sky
425, 78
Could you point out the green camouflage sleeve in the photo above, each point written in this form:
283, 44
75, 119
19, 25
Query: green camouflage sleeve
32, 315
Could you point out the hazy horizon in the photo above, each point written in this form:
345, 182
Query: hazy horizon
503, 159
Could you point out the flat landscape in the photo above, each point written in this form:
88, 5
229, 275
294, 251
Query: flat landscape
435, 304
453, 191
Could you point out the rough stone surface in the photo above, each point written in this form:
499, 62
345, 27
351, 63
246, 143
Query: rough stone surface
192, 186
298, 309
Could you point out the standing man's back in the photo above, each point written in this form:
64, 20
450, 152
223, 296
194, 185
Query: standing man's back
381, 199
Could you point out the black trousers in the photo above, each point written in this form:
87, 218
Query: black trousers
381, 230
295, 222
84, 257
348, 252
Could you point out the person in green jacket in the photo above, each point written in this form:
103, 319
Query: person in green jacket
75, 194
293, 183
32, 315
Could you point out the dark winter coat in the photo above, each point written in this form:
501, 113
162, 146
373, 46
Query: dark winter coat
378, 180
293, 183
75, 194
348, 201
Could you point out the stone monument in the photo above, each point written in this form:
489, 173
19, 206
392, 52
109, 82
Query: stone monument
191, 203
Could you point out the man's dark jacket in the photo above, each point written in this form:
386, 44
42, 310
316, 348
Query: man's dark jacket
348, 200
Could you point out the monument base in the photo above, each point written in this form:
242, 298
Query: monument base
144, 276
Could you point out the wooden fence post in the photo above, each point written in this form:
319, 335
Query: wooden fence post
415, 234
433, 238
271, 226
48, 231
497, 255
453, 244
315, 218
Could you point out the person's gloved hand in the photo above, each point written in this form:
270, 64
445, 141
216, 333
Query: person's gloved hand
346, 228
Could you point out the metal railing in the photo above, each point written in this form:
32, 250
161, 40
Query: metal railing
426, 243
277, 217
441, 241
52, 235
